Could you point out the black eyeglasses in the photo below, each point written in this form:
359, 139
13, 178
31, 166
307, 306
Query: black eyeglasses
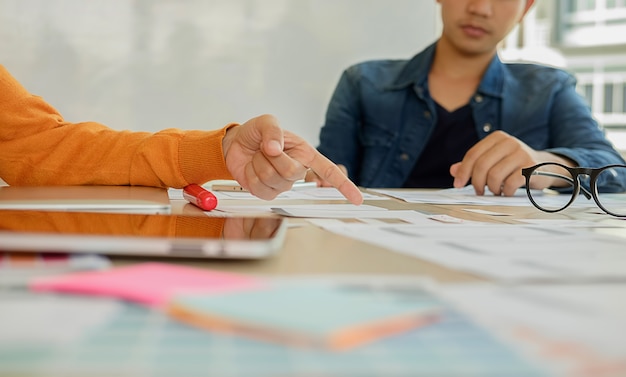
561, 180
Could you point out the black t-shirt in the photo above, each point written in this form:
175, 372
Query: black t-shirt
454, 134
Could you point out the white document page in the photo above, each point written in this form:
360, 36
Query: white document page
28, 318
500, 251
323, 209
401, 216
467, 195
318, 193
577, 329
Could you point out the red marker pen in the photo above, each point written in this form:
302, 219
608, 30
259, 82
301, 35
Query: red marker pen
201, 198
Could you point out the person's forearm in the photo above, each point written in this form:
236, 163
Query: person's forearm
89, 153
38, 147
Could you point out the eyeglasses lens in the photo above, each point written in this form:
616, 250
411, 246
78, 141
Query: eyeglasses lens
551, 187
614, 203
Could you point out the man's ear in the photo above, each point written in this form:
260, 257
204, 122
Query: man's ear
529, 3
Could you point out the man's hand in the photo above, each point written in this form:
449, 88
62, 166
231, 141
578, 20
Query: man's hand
497, 162
266, 160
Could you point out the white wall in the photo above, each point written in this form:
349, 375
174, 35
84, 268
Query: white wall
193, 64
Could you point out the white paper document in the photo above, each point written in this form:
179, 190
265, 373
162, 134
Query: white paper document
401, 216
467, 195
44, 319
576, 330
318, 193
503, 252
315, 210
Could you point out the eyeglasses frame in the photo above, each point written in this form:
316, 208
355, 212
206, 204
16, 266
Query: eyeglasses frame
593, 174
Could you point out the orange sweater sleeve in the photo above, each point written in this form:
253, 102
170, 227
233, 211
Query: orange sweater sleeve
38, 147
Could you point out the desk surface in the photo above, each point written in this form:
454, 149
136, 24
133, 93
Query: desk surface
308, 250
311, 250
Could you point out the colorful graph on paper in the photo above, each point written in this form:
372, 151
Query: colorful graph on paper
70, 335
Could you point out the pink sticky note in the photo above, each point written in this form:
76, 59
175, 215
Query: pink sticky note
148, 283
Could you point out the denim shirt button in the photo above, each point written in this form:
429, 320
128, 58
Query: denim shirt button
404, 157
478, 98
487, 127
427, 114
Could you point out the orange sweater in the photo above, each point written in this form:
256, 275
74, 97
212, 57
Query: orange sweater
38, 147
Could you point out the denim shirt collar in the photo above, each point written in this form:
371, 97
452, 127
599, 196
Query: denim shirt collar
415, 73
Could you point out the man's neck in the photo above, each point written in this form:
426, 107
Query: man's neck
455, 64
455, 76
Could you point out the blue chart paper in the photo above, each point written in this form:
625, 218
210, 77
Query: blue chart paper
337, 317
137, 341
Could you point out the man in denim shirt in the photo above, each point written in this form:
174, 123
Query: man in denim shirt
455, 113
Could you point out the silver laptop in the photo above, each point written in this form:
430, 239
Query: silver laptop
151, 235
135, 199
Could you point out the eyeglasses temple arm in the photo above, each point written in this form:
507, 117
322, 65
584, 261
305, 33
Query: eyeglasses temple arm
570, 180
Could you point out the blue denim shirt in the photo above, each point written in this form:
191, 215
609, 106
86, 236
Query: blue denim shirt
381, 116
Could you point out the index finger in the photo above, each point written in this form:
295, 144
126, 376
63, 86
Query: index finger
465, 168
332, 174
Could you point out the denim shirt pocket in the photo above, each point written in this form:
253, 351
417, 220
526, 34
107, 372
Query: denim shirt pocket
375, 134
378, 141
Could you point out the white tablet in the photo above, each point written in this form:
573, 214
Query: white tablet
154, 235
